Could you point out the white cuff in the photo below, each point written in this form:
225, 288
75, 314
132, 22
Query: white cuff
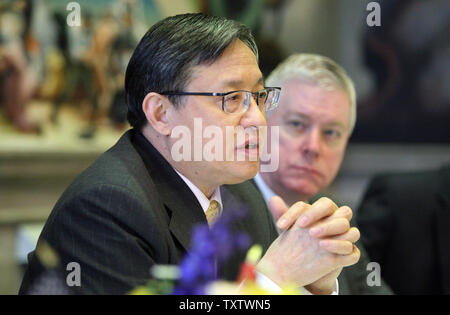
267, 284
335, 290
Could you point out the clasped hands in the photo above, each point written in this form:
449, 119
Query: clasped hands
315, 242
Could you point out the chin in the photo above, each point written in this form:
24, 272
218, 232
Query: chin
303, 189
245, 171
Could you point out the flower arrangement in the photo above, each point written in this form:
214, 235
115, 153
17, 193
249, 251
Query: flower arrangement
197, 273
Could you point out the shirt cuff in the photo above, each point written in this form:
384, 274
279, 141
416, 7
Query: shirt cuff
335, 290
267, 284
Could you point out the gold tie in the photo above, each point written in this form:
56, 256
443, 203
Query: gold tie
213, 212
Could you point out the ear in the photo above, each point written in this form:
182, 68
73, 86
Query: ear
155, 107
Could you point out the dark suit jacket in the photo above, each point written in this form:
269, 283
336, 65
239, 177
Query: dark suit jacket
353, 280
129, 211
405, 226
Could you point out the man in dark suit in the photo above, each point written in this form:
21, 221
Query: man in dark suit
405, 227
137, 204
316, 116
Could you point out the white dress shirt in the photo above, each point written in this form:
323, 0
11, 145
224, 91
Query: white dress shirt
202, 199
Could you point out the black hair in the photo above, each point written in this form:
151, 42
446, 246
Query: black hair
163, 59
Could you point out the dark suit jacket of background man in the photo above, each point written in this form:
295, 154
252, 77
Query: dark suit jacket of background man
353, 279
130, 210
404, 221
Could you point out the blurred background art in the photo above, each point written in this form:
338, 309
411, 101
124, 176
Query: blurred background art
62, 101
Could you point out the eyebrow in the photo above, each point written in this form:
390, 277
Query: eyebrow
291, 114
337, 124
238, 83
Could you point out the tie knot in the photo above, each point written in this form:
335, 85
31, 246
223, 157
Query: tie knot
213, 212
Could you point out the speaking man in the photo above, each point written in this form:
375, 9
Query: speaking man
137, 204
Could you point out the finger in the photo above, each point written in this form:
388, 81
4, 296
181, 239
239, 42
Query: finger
291, 216
337, 247
342, 212
277, 207
322, 208
352, 235
330, 228
348, 260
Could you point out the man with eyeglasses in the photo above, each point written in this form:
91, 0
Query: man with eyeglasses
136, 205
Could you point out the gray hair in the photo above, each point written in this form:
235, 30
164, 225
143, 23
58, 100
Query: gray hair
318, 70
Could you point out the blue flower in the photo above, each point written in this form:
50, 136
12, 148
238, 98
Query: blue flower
210, 249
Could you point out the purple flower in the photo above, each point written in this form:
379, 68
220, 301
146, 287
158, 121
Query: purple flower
210, 249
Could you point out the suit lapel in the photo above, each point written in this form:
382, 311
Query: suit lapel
252, 218
255, 219
181, 204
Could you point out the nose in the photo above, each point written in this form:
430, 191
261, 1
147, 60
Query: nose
254, 116
311, 144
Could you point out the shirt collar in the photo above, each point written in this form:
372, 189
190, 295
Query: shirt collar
202, 199
266, 192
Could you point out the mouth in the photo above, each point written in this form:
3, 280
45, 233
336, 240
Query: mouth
308, 170
249, 145
249, 148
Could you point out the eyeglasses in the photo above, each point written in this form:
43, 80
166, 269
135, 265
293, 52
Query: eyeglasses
237, 102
